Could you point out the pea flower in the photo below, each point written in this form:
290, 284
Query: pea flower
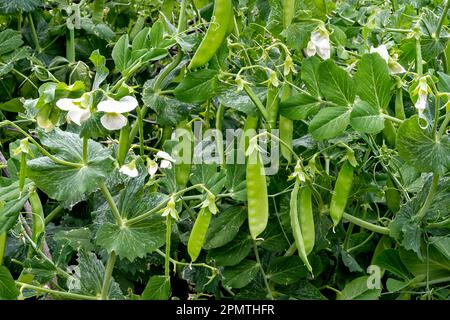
273, 79
165, 163
240, 83
129, 169
152, 167
170, 209
394, 66
288, 66
210, 203
113, 119
78, 109
422, 92
319, 43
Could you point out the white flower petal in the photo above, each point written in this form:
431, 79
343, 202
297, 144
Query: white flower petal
109, 105
131, 172
396, 67
310, 49
324, 52
113, 121
382, 51
127, 104
165, 164
421, 103
78, 115
165, 155
152, 170
67, 104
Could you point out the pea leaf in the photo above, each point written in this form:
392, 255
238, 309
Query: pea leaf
286, 270
10, 40
68, 184
299, 106
366, 118
357, 289
329, 122
372, 80
158, 288
9, 212
8, 290
223, 227
435, 265
240, 275
309, 75
235, 181
121, 53
442, 243
419, 148
389, 259
197, 87
240, 101
77, 239
101, 71
335, 84
233, 253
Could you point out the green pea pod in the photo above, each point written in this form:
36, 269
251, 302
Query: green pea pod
286, 125
295, 225
272, 105
288, 12
257, 199
306, 219
22, 171
183, 169
392, 195
38, 216
3, 237
341, 192
198, 233
399, 109
389, 133
216, 33
124, 145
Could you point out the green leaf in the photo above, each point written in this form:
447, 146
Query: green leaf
9, 212
389, 259
395, 285
366, 118
88, 277
235, 181
69, 184
240, 275
350, 262
240, 101
41, 270
442, 243
335, 84
208, 175
286, 270
10, 40
133, 241
274, 237
75, 238
419, 148
329, 122
15, 6
373, 83
121, 53
197, 87
357, 289
158, 288
101, 71
223, 227
299, 106
302, 290
309, 75
434, 266
8, 290
233, 253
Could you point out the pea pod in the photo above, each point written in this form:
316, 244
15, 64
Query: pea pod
341, 192
183, 168
257, 199
22, 171
389, 133
306, 219
288, 12
123, 144
38, 216
198, 233
392, 195
272, 105
217, 30
3, 237
295, 225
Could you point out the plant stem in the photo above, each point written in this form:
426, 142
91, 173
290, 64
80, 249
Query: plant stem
419, 62
111, 203
167, 256
108, 275
399, 108
3, 237
141, 131
53, 214
393, 119
431, 282
182, 20
56, 292
258, 262
175, 262
366, 225
34, 36
85, 150
70, 46
441, 19
429, 200
443, 126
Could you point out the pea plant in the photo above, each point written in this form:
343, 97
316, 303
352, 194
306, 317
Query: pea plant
226, 149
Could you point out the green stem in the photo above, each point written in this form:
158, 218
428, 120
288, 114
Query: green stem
41, 149
69, 295
441, 19
111, 203
182, 20
436, 114
292, 249
141, 131
431, 282
257, 102
366, 225
108, 275
219, 126
85, 150
443, 126
34, 36
419, 62
429, 200
175, 262
53, 214
399, 109
258, 262
167, 256
3, 237
70, 46
393, 119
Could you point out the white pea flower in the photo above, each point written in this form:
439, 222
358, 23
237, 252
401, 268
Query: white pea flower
167, 160
422, 92
152, 168
210, 203
170, 209
78, 109
273, 79
113, 119
129, 169
288, 66
319, 43
394, 66
240, 83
